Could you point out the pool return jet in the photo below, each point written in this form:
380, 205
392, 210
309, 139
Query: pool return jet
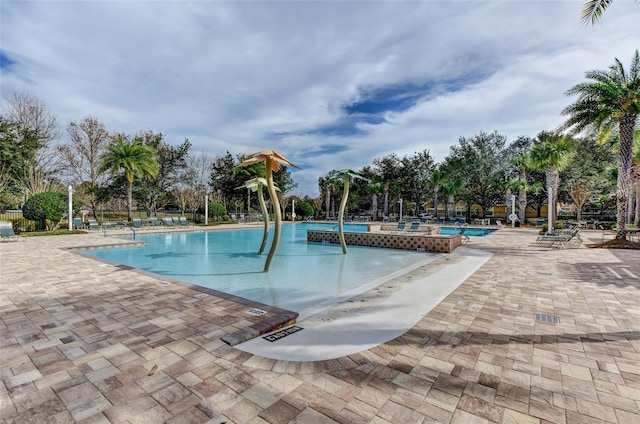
255, 185
347, 175
273, 160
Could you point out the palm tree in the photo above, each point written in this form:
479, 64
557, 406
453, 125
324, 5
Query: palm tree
437, 178
635, 176
522, 163
347, 175
551, 154
273, 160
134, 158
255, 185
612, 97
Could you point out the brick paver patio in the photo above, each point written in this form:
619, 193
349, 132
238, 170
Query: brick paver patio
88, 342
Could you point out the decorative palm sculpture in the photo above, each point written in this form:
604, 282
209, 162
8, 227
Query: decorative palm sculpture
273, 160
255, 185
347, 175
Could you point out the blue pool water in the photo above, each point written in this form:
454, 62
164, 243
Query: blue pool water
303, 277
477, 232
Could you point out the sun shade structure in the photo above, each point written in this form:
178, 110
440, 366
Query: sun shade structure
273, 161
255, 185
347, 175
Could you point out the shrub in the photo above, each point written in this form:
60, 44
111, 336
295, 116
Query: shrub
217, 211
47, 208
304, 209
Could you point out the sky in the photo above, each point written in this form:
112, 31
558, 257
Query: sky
328, 84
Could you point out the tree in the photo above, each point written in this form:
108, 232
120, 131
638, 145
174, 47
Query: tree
47, 207
82, 156
611, 98
172, 161
388, 170
131, 158
479, 164
415, 174
580, 191
273, 161
551, 154
35, 132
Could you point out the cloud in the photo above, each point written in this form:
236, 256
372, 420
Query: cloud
330, 85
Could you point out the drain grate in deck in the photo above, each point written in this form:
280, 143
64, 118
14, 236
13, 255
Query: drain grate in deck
547, 318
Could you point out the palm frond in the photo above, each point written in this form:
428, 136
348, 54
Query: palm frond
593, 9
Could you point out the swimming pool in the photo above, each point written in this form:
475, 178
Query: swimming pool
473, 232
305, 277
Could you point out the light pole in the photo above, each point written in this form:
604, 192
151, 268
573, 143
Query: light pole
550, 210
206, 209
400, 201
70, 208
293, 210
513, 210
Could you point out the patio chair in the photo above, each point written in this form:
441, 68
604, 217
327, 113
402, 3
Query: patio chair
154, 222
183, 221
176, 220
78, 224
136, 222
499, 223
168, 222
462, 229
7, 234
93, 224
401, 225
561, 239
415, 226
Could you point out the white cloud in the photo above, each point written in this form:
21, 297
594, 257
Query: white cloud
229, 75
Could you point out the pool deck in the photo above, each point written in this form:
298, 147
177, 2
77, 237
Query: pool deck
89, 342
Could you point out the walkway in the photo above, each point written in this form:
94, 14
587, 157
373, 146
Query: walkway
94, 343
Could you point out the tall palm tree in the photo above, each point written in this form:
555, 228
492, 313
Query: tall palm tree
134, 158
255, 185
550, 154
273, 160
635, 176
611, 98
437, 178
522, 163
347, 175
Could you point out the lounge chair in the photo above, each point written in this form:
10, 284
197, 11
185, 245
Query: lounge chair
168, 222
499, 223
401, 225
78, 224
93, 224
183, 221
463, 228
176, 220
154, 222
7, 234
136, 222
560, 239
415, 226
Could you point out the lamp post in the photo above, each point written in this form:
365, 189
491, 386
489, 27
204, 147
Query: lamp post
206, 209
550, 210
513, 210
70, 208
293, 210
400, 201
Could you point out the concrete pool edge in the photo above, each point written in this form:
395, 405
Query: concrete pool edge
376, 317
